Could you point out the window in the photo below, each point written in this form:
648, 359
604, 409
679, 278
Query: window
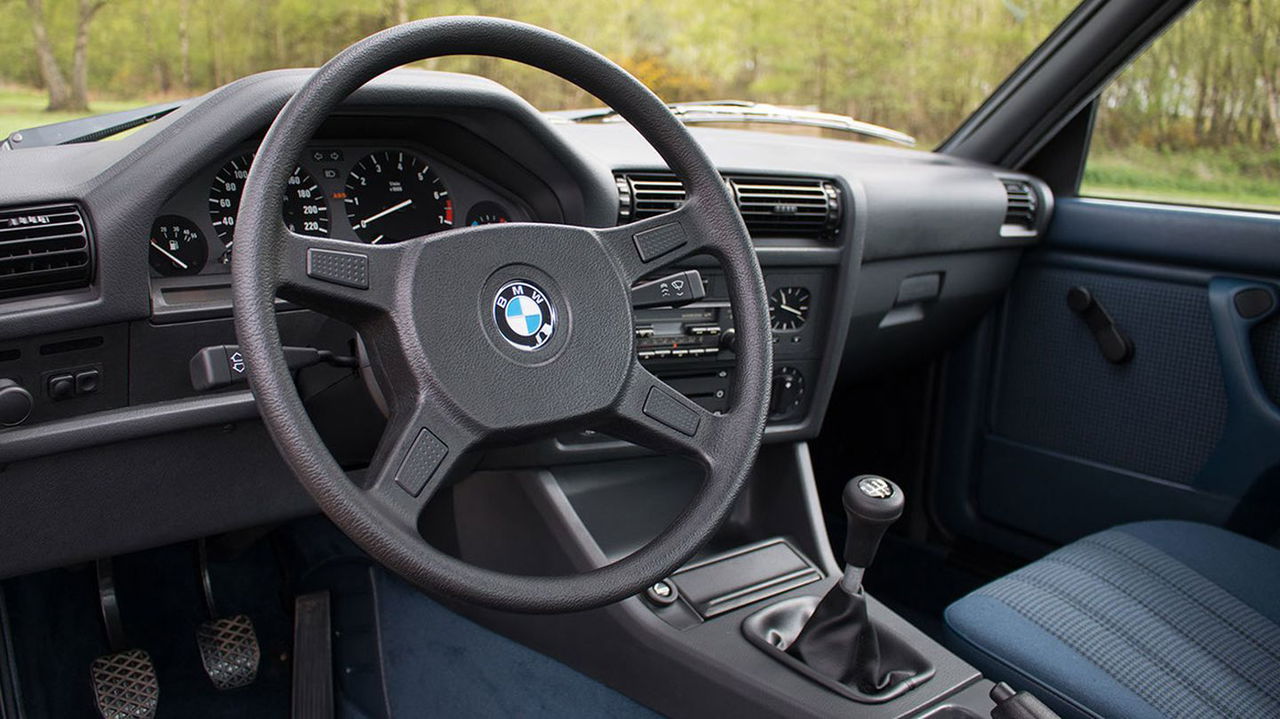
1196, 119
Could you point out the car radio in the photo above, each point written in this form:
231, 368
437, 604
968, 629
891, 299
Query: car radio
684, 332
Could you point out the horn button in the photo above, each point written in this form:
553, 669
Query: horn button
523, 325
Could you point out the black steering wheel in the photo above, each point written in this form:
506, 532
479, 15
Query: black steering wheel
497, 334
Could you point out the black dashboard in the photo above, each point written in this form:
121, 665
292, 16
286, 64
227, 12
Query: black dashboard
872, 257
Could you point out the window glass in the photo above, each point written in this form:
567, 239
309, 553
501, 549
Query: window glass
917, 66
1196, 119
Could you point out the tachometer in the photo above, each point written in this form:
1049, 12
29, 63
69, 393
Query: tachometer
393, 195
305, 209
177, 247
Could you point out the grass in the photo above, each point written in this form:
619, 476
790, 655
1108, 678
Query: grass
21, 108
1236, 177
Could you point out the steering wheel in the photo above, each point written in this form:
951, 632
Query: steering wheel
497, 334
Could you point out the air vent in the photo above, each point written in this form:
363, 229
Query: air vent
1022, 212
652, 195
772, 206
42, 249
791, 207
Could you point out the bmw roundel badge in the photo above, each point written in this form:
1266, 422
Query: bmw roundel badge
524, 315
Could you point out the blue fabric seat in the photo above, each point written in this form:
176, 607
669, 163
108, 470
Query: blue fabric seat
1154, 619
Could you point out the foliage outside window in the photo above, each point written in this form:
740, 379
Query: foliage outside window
1196, 119
920, 66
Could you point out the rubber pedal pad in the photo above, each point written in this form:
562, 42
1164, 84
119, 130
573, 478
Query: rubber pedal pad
125, 685
229, 651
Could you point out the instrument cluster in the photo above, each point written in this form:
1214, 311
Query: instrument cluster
367, 194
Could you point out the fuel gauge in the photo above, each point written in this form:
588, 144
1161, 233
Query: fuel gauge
487, 213
177, 246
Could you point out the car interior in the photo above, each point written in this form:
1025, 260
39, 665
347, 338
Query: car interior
609, 413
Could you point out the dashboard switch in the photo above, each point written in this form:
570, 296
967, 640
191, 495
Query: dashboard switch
87, 381
62, 386
671, 291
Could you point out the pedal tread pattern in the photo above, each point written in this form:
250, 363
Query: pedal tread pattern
125, 685
229, 651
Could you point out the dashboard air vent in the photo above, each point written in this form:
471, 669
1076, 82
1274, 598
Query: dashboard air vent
43, 248
1022, 212
771, 206
653, 195
791, 207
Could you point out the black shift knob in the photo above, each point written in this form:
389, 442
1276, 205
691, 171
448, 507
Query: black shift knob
871, 503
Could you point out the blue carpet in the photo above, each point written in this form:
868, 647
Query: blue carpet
439, 664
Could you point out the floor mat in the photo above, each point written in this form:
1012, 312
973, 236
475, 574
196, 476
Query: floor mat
438, 663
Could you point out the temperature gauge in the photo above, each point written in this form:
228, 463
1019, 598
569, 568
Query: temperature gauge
487, 213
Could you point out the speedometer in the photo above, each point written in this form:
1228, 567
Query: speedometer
305, 209
393, 195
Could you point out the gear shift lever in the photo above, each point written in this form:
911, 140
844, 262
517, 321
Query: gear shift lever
839, 641
871, 504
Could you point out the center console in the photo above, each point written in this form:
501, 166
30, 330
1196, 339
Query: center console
712, 639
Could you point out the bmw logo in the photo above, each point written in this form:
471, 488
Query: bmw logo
524, 315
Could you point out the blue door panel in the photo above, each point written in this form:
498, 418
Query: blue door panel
1188, 428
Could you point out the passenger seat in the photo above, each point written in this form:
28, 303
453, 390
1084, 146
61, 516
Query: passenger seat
1154, 619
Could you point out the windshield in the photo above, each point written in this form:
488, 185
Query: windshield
916, 66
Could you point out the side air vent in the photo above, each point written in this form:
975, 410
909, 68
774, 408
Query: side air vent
771, 206
43, 248
1022, 213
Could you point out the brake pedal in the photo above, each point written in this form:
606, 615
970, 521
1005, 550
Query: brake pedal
124, 682
229, 648
229, 651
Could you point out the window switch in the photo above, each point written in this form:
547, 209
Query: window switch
61, 386
87, 381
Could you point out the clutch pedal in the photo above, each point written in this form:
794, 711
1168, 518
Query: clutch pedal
228, 646
125, 685
124, 682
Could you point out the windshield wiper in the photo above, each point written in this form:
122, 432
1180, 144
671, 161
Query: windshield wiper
87, 129
754, 112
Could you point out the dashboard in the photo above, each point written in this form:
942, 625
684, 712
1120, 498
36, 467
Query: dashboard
873, 257
361, 191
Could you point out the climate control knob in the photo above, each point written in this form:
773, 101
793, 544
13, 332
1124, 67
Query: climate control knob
787, 392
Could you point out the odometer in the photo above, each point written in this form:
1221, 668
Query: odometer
393, 195
305, 209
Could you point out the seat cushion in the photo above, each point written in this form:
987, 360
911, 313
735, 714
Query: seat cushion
1154, 619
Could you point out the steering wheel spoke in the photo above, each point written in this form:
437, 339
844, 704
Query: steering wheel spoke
420, 452
652, 414
341, 279
645, 246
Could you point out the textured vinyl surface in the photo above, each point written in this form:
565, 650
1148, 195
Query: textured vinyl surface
1161, 414
1266, 354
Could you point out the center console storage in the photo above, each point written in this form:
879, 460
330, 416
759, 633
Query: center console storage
686, 646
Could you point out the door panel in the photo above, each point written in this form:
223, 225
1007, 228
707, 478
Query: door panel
1188, 428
